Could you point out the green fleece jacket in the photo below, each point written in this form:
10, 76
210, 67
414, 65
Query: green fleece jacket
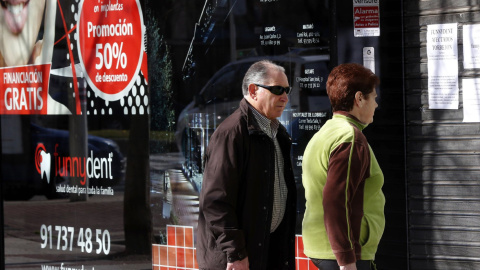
344, 217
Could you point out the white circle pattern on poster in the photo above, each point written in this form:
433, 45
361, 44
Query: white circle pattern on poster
145, 100
137, 80
138, 101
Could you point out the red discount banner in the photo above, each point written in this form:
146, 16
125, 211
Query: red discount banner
110, 42
24, 89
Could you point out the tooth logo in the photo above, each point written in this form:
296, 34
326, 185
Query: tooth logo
43, 161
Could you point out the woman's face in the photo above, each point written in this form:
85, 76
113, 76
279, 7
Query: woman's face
367, 110
20, 21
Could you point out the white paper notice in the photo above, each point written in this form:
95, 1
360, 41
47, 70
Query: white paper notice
442, 55
471, 46
471, 100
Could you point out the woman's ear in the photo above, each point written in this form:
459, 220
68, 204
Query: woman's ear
359, 98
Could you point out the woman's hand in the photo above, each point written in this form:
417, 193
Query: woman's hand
351, 266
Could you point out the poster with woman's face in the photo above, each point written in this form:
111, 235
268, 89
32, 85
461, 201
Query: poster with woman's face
20, 22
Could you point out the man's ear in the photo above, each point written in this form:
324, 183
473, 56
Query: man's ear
252, 91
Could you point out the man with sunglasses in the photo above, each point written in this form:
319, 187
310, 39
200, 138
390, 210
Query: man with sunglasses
248, 197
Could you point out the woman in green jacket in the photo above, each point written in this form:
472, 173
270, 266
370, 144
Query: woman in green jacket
344, 217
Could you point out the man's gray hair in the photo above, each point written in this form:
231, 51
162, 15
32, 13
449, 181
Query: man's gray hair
258, 72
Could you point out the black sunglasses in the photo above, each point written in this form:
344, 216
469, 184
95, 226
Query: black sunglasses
276, 89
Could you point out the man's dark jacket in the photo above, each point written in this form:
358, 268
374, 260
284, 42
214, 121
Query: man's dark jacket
236, 199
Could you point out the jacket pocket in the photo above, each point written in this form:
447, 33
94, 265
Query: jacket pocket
216, 258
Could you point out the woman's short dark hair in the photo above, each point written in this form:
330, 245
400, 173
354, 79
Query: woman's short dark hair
347, 79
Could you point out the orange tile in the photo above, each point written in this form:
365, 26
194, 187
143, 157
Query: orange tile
171, 236
163, 255
181, 257
311, 265
180, 236
156, 267
189, 237
172, 256
189, 258
302, 264
195, 257
299, 247
155, 254
296, 246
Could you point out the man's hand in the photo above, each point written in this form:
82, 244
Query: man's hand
351, 266
240, 265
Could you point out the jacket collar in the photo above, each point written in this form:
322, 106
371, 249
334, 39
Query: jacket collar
252, 124
350, 118
247, 112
